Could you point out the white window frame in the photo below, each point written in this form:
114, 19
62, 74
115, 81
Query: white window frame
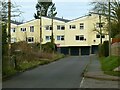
98, 25
79, 38
82, 26
47, 38
32, 39
23, 29
13, 40
72, 26
31, 28
13, 30
48, 27
98, 36
61, 37
61, 27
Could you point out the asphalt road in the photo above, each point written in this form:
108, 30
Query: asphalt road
65, 73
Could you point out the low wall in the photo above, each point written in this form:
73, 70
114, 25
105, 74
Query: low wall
115, 49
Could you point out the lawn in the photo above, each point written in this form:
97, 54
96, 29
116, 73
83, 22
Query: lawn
108, 64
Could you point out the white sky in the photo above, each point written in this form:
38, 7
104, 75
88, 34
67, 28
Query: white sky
68, 9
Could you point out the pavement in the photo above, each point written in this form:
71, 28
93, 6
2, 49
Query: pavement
95, 78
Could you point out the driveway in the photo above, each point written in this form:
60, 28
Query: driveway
65, 73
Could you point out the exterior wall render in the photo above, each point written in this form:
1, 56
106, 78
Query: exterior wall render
69, 34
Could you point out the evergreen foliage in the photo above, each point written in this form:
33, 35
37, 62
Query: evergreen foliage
45, 9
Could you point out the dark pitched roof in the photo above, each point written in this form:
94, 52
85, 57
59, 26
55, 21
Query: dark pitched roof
81, 17
16, 22
57, 18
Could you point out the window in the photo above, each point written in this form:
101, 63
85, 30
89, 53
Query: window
81, 25
13, 29
23, 29
77, 38
47, 38
103, 36
98, 36
13, 40
30, 39
60, 37
31, 28
80, 37
72, 26
60, 27
98, 25
48, 27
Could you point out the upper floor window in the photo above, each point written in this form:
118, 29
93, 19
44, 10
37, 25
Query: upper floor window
60, 27
98, 36
80, 37
31, 28
13, 29
98, 25
48, 27
30, 39
61, 37
47, 38
103, 36
81, 25
23, 29
72, 27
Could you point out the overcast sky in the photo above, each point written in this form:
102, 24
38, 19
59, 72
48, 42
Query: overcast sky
68, 9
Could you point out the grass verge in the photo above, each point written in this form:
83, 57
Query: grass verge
108, 64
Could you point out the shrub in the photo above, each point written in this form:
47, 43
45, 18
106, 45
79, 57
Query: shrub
23, 47
49, 47
117, 36
104, 49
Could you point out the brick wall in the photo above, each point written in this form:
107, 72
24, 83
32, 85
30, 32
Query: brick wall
115, 49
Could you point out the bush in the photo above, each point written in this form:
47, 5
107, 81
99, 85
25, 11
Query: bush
104, 49
49, 47
117, 36
28, 56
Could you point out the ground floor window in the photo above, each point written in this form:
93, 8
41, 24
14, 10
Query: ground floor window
80, 37
47, 38
13, 40
30, 39
60, 38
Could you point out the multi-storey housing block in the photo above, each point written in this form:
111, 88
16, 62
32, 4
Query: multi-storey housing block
73, 37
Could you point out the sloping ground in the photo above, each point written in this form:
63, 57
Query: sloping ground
108, 65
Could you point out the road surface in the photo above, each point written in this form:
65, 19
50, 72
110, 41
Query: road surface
65, 73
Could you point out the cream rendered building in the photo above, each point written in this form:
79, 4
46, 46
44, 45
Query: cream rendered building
74, 37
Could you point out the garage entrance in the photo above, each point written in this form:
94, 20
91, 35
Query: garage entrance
74, 51
85, 50
64, 50
94, 49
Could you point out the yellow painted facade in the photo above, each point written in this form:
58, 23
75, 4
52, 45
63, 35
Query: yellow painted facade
77, 32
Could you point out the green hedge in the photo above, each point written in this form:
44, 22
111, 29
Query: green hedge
104, 49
